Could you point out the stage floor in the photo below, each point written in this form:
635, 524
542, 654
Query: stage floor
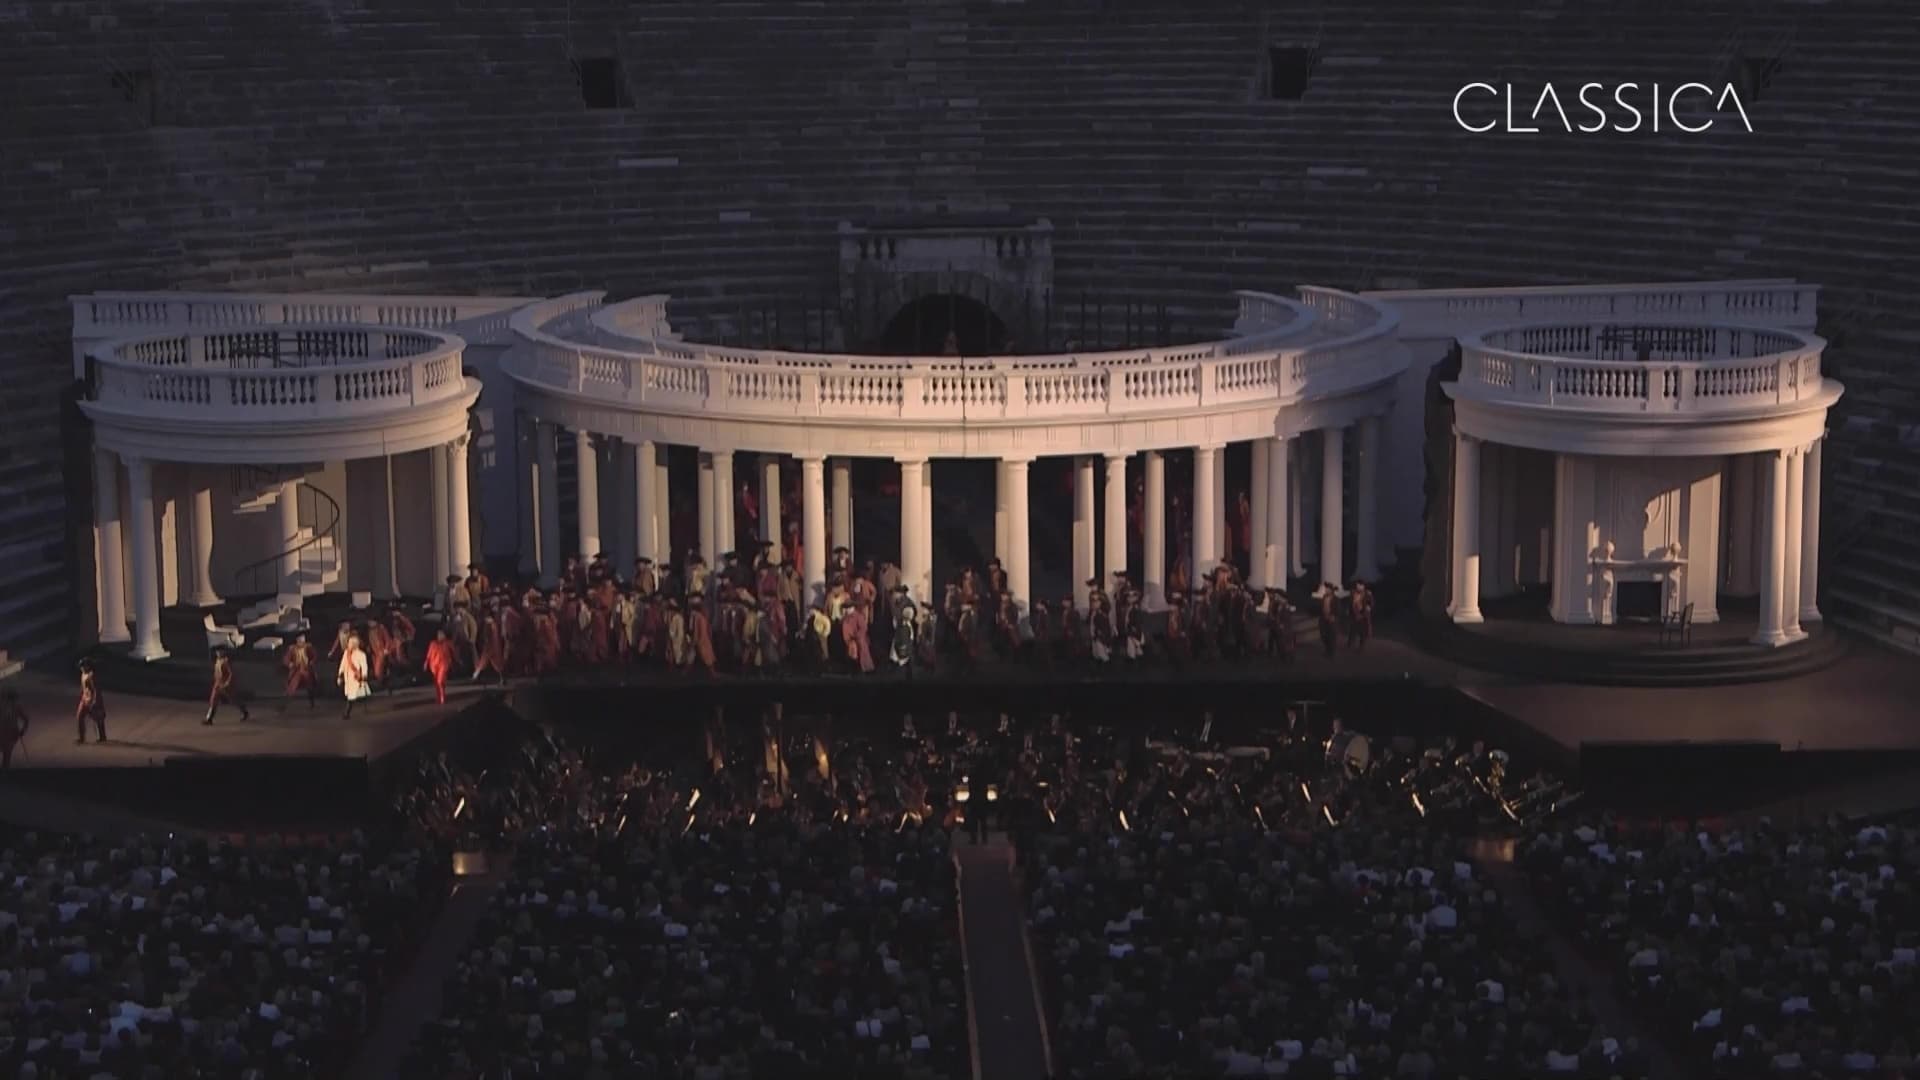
143, 731
1863, 702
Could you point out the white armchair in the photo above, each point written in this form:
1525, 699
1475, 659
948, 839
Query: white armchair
221, 636
292, 620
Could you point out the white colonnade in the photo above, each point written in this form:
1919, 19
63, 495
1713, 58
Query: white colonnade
1100, 541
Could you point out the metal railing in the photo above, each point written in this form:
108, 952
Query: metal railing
267, 576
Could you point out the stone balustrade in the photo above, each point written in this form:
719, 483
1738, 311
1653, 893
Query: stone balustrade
1357, 347
284, 372
1450, 312
117, 314
1662, 368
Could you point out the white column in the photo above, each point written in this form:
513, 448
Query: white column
726, 534
146, 570
1279, 507
925, 528
1206, 548
288, 508
1018, 566
646, 502
1561, 596
663, 509
547, 480
1466, 529
813, 526
1790, 585
707, 514
1116, 524
586, 470
1365, 515
843, 503
1082, 529
914, 520
1296, 550
460, 514
1258, 497
770, 508
1333, 454
441, 517
1810, 536
1153, 526
204, 594
109, 554
1222, 519
1000, 511
1773, 557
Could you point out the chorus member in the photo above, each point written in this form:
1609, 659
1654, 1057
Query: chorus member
1360, 617
93, 705
355, 675
853, 631
1329, 618
440, 664
299, 662
224, 692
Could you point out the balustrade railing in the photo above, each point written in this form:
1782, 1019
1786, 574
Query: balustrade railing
1771, 302
285, 373
1706, 369
118, 314
724, 381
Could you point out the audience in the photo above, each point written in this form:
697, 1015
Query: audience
1184, 938
1762, 949
169, 956
709, 928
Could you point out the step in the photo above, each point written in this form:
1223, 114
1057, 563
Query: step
1901, 639
1892, 613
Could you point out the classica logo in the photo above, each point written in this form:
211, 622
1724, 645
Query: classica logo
1626, 109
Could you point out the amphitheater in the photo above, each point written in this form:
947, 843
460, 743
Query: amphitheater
1048, 180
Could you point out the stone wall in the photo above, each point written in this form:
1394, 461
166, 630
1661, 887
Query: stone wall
410, 145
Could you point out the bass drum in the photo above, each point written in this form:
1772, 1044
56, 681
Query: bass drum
1351, 749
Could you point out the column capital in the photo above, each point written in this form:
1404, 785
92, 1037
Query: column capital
806, 457
1021, 461
460, 441
1120, 456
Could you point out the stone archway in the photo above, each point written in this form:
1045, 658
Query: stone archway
987, 316
944, 324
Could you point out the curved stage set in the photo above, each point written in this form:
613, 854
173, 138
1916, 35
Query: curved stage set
1616, 487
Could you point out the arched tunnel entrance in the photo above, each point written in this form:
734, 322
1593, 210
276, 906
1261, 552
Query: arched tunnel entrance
944, 324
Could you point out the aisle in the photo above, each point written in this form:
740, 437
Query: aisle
415, 999
1003, 1018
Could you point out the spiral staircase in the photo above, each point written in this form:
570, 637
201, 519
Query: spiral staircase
314, 543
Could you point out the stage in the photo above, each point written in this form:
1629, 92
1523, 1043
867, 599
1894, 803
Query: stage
1519, 639
1856, 709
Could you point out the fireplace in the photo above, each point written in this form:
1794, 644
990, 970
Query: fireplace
1637, 601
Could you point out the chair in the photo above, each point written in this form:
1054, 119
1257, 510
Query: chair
218, 637
292, 621
1677, 627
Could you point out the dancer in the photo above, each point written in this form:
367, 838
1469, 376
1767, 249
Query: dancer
299, 663
93, 705
224, 692
355, 674
440, 664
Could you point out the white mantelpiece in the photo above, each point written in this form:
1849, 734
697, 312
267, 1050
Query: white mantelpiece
1667, 566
